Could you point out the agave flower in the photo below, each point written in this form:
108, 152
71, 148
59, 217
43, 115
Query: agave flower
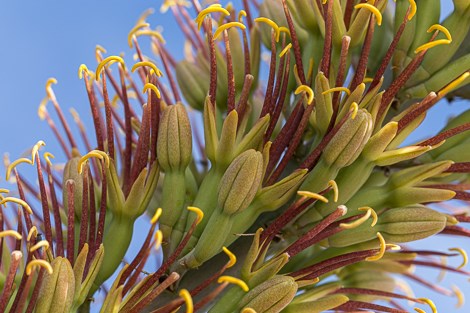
299, 191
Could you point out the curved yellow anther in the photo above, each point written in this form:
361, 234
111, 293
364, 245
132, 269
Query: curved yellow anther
33, 232
158, 239
231, 256
430, 303
383, 246
312, 195
149, 64
463, 253
372, 9
38, 263
454, 84
153, 88
324, 1
440, 28
188, 300
15, 163
35, 150
17, 201
413, 10
307, 90
169, 3
248, 310
460, 297
367, 80
353, 108
84, 159
156, 216
344, 89
334, 186
271, 23
419, 310
48, 156
134, 30
214, 8
108, 61
393, 247
284, 51
357, 222
82, 68
42, 111
226, 26
432, 44
283, 29
11, 233
199, 213
39, 245
3, 190
235, 281
100, 49
49, 82
241, 14
373, 213
144, 15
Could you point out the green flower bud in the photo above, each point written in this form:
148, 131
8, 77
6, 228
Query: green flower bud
87, 283
193, 83
71, 173
318, 305
367, 279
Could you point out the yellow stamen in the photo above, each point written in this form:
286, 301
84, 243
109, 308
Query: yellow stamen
14, 164
383, 246
214, 8
357, 222
231, 256
156, 216
17, 201
460, 297
233, 280
430, 303
312, 195
153, 88
158, 239
372, 9
84, 159
353, 108
108, 61
134, 30
310, 69
149, 64
248, 310
373, 213
283, 29
324, 1
413, 10
307, 90
188, 300
463, 253
39, 245
33, 232
35, 150
393, 246
454, 84
344, 89
419, 310
432, 44
367, 80
241, 14
3, 190
82, 68
334, 186
98, 51
38, 263
199, 213
152, 33
49, 82
169, 3
11, 233
144, 15
223, 27
284, 51
441, 29
271, 23
48, 156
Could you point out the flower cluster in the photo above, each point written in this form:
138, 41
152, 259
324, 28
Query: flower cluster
277, 186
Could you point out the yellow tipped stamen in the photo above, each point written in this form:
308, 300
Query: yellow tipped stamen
353, 108
373, 213
14, 164
241, 14
49, 82
231, 256
344, 89
3, 190
432, 44
248, 310
153, 88
39, 245
82, 68
430, 303
33, 232
169, 3
307, 90
48, 156
271, 23
149, 64
334, 186
440, 28
99, 50
152, 33
283, 29
460, 297
11, 233
38, 263
84, 159
443, 272
156, 216
223, 27
463, 253
214, 8
324, 1
284, 51
454, 84
199, 213
413, 10
367, 80
312, 195
393, 246
108, 61
158, 239
372, 9
235, 281
35, 149
133, 31
17, 201
310, 69
357, 222
419, 310
383, 246
144, 15
188, 300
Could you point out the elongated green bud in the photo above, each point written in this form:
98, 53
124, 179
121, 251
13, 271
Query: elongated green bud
193, 83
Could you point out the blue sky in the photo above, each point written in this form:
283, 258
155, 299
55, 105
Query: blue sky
42, 39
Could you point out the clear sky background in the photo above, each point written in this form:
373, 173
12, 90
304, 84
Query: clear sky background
51, 38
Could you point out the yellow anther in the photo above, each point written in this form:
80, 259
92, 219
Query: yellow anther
82, 68
152, 33
241, 14
158, 239
15, 164
17, 201
48, 156
413, 9
169, 3
334, 186
372, 9
307, 90
430, 303
149, 64
432, 44
3, 190
344, 89
383, 246
39, 245
312, 195
134, 30
441, 29
226, 26
144, 15
454, 84
156, 216
460, 297
373, 213
100, 49
393, 247
11, 233
153, 88
84, 159
108, 61
248, 310
199, 213
214, 8
324, 1
284, 51
235, 281
353, 108
283, 29
231, 256
463, 253
35, 150
419, 310
367, 80
357, 222
271, 23
33, 232
49, 82
38, 263
188, 300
